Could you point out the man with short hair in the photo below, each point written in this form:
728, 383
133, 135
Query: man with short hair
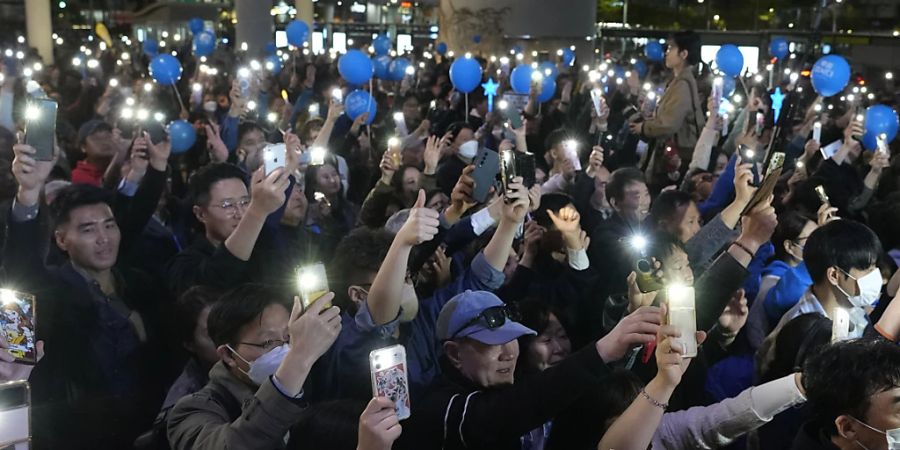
478, 404
97, 315
853, 388
95, 140
255, 393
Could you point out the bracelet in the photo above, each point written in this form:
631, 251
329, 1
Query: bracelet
663, 406
744, 248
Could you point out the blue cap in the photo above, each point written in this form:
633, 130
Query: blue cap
463, 308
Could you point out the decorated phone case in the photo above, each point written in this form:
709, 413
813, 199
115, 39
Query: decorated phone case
389, 377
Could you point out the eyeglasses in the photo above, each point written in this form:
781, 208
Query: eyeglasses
231, 206
268, 345
492, 318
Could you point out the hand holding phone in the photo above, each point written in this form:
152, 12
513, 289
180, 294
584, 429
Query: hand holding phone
487, 166
17, 325
274, 157
312, 282
388, 370
681, 314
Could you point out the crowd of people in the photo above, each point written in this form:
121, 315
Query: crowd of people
165, 283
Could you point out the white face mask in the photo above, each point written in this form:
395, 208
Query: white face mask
892, 435
869, 289
468, 149
210, 106
264, 366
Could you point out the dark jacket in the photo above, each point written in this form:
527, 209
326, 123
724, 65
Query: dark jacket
810, 437
99, 383
456, 414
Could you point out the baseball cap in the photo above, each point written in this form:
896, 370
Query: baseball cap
90, 127
457, 317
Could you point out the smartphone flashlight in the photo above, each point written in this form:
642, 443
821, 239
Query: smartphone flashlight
398, 117
243, 72
410, 70
127, 113
254, 65
570, 145
882, 143
817, 107
817, 132
148, 87
537, 76
113, 82
317, 156
638, 242
337, 94
32, 112
393, 142
143, 114
197, 87
272, 117
159, 117
251, 105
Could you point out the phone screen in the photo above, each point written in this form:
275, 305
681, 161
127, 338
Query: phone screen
682, 315
40, 127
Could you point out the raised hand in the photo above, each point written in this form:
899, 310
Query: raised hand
636, 298
517, 202
335, 110
826, 213
140, 159
531, 242
461, 196
388, 166
743, 177
218, 151
595, 161
267, 192
30, 173
637, 328
422, 224
670, 363
158, 153
432, 155
534, 197
293, 149
568, 222
379, 425
758, 225
735, 315
10, 370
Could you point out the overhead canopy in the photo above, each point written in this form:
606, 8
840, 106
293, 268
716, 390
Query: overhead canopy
175, 12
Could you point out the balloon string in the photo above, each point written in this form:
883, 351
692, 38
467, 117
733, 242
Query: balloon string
369, 107
467, 107
178, 96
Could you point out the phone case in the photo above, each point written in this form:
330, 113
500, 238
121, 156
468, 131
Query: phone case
389, 377
487, 166
840, 325
40, 132
274, 156
817, 132
17, 323
765, 190
647, 280
15, 415
681, 314
312, 282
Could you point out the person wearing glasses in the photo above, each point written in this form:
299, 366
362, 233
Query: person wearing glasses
478, 403
233, 219
255, 393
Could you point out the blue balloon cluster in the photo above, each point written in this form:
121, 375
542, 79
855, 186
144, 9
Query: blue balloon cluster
195, 25
151, 47
204, 43
641, 68
465, 74
730, 60
297, 33
548, 89
182, 136
441, 48
382, 45
779, 47
356, 67
880, 119
165, 69
728, 86
654, 51
358, 103
549, 70
830, 75
520, 78
382, 65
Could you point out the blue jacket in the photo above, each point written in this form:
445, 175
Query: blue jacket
787, 292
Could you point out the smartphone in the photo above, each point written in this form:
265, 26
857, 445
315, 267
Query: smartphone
829, 150
718, 87
312, 282
274, 156
817, 132
314, 110
681, 314
512, 115
760, 123
861, 118
748, 155
823, 197
882, 143
17, 323
517, 164
40, 127
337, 95
776, 162
389, 377
487, 166
647, 280
156, 131
571, 148
597, 99
840, 324
15, 415
724, 124
317, 156
243, 76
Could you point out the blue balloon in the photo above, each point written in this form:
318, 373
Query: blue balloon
196, 25
204, 43
297, 33
441, 48
568, 56
358, 103
779, 47
476, 39
870, 140
728, 86
398, 68
273, 63
830, 75
520, 78
641, 68
654, 51
270, 48
465, 73
356, 67
619, 71
730, 60
182, 136
382, 67
151, 47
382, 44
548, 89
165, 69
548, 69
882, 119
